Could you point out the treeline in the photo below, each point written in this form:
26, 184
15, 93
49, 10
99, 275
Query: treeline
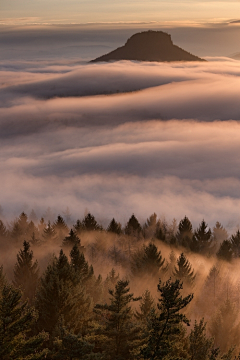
202, 240
65, 310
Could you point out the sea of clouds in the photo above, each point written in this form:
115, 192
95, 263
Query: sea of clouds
121, 138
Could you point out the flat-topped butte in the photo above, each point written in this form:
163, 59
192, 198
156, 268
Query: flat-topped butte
149, 46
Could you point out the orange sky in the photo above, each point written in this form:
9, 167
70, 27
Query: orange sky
76, 11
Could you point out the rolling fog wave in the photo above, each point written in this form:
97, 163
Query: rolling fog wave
122, 137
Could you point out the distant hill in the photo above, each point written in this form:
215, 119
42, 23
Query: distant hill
149, 46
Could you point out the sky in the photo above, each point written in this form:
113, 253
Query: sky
126, 137
77, 11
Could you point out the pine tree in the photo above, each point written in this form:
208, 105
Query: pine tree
60, 300
203, 238
185, 233
219, 233
78, 227
235, 244
70, 346
146, 305
172, 262
20, 228
148, 261
183, 271
49, 234
53, 298
89, 223
225, 251
16, 320
165, 326
160, 232
79, 265
71, 240
212, 282
119, 329
32, 229
60, 228
224, 326
110, 282
26, 272
149, 227
133, 228
111, 279
200, 345
35, 241
114, 227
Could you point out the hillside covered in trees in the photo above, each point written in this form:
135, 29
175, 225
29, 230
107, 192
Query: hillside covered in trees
134, 291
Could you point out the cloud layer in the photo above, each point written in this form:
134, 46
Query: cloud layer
122, 138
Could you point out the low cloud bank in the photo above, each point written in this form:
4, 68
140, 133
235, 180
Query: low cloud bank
69, 139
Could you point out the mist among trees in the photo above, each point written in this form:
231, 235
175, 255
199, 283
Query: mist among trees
155, 290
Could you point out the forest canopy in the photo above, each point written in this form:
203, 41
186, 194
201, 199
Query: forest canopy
152, 290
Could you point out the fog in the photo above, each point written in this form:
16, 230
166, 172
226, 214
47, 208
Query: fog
121, 138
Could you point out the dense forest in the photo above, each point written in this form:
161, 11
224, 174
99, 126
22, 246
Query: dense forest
156, 290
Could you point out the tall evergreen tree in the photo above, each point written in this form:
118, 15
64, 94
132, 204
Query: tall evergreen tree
133, 228
202, 239
161, 232
79, 265
61, 228
16, 320
20, 228
146, 305
183, 271
224, 326
212, 282
89, 223
118, 328
111, 279
32, 229
78, 227
26, 272
235, 244
148, 261
165, 326
53, 298
71, 240
200, 345
219, 233
49, 234
60, 300
185, 233
114, 227
225, 251
149, 227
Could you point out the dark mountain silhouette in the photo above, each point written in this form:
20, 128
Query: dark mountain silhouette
149, 46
